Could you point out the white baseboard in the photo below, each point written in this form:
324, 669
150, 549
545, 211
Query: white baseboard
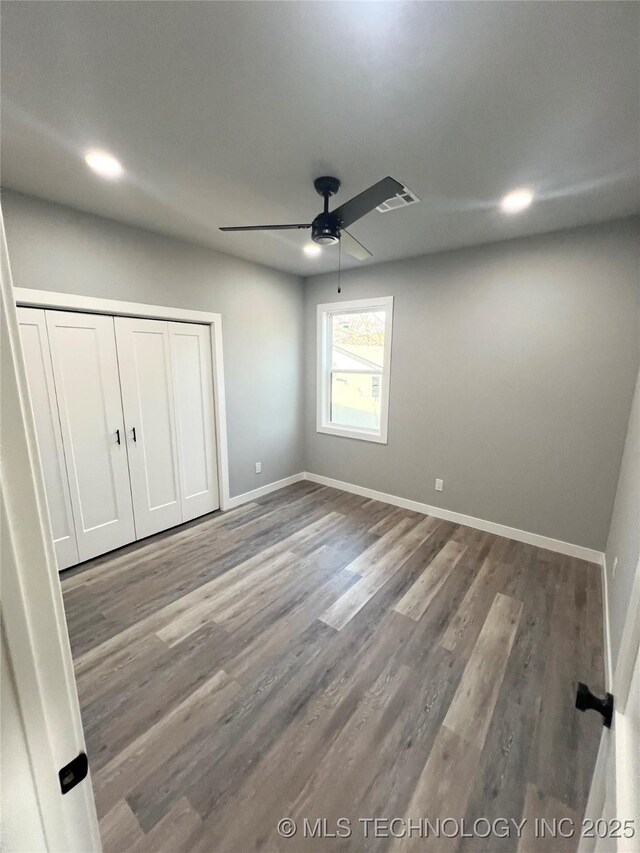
536, 539
582, 553
254, 494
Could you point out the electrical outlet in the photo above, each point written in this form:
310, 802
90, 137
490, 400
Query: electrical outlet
258, 467
439, 485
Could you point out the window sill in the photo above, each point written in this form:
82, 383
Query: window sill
346, 432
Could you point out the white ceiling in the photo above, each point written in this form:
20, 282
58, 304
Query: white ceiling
222, 113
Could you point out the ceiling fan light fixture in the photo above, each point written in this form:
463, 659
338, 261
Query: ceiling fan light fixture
517, 200
103, 164
325, 229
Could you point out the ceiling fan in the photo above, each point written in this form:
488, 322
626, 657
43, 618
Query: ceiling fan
329, 227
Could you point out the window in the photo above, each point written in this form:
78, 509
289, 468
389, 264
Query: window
354, 361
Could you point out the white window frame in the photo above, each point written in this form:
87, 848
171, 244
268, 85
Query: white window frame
323, 421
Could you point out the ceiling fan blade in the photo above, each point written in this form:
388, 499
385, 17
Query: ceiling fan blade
353, 247
263, 227
360, 205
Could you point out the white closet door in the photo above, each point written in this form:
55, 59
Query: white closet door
193, 395
147, 396
35, 348
85, 369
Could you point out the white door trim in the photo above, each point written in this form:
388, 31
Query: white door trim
32, 609
97, 305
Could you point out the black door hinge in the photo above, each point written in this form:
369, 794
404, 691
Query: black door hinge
586, 701
73, 772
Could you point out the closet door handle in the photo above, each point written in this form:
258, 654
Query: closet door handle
133, 430
118, 436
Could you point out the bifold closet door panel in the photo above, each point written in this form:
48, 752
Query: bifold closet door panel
195, 425
85, 370
147, 397
42, 392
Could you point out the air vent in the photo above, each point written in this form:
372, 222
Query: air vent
401, 199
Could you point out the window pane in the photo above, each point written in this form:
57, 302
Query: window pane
355, 399
357, 341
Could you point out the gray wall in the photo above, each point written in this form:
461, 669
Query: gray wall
512, 374
56, 248
624, 536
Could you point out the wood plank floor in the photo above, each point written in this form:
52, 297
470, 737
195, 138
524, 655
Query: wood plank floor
320, 655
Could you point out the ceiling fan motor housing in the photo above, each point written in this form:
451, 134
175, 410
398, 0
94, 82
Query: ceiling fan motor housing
325, 229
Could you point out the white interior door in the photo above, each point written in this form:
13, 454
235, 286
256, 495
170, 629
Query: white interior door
147, 396
43, 719
195, 425
613, 808
85, 369
42, 392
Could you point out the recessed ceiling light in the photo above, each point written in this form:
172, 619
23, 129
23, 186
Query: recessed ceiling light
104, 164
312, 250
517, 200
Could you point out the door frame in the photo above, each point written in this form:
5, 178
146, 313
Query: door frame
617, 744
96, 305
33, 620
